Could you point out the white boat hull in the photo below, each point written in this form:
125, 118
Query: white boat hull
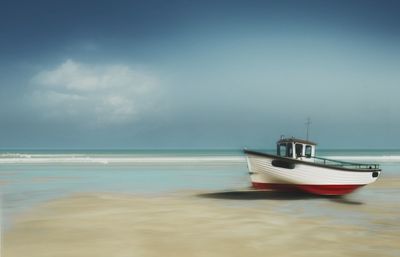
306, 176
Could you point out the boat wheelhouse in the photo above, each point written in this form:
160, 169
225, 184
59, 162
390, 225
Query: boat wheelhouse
296, 148
296, 167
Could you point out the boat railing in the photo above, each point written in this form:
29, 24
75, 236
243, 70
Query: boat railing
344, 164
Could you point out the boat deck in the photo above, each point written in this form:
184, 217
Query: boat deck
353, 165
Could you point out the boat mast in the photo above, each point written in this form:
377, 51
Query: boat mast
308, 123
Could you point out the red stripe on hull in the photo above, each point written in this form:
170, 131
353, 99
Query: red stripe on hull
314, 189
329, 189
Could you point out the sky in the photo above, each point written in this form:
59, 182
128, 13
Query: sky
198, 74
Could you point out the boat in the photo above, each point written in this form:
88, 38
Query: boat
295, 167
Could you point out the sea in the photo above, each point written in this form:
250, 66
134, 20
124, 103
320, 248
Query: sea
29, 178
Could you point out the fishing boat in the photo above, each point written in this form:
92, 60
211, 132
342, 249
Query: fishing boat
296, 167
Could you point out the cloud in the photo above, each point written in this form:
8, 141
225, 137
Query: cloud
104, 94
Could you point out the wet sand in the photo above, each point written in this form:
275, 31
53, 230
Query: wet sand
236, 223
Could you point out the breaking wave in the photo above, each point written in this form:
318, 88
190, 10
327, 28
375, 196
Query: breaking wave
18, 158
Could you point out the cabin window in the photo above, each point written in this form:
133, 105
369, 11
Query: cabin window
299, 150
285, 150
308, 151
281, 151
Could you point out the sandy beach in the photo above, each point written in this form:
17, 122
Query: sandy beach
233, 223
175, 209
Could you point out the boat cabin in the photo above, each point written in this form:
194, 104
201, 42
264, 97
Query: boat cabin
296, 148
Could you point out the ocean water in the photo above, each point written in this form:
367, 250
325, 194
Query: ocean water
31, 177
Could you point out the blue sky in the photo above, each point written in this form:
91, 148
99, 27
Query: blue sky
198, 74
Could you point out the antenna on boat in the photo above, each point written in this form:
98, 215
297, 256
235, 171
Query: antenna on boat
308, 123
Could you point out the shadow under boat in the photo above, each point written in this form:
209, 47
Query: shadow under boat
274, 195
